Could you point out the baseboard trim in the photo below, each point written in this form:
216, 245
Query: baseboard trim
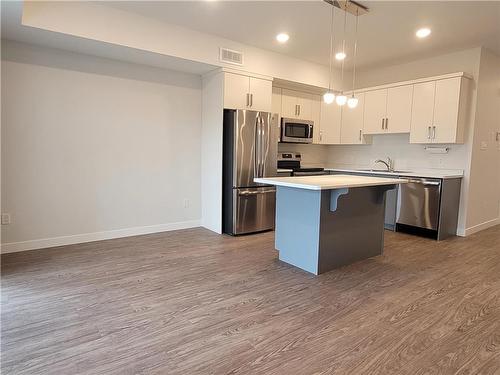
43, 243
482, 226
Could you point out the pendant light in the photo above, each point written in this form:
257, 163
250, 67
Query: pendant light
329, 96
352, 102
342, 99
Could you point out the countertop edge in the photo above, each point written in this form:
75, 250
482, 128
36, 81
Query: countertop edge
424, 174
272, 181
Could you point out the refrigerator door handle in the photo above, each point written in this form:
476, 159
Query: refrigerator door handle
258, 147
264, 144
247, 193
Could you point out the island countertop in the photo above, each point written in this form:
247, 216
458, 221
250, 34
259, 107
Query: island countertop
328, 182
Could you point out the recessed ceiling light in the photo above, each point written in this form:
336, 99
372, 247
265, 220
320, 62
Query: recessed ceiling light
340, 55
423, 32
282, 37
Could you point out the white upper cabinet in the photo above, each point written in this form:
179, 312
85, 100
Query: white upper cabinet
422, 112
304, 101
288, 103
261, 94
244, 92
276, 101
439, 111
398, 117
375, 111
352, 123
447, 125
295, 104
316, 118
329, 124
388, 110
236, 87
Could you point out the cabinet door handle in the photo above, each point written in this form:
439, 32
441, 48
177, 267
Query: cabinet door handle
386, 123
248, 99
429, 132
433, 132
320, 135
251, 100
299, 110
296, 105
360, 134
383, 122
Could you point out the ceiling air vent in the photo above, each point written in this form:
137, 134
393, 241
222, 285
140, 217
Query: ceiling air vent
230, 56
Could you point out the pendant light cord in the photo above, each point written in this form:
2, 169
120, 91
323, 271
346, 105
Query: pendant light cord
343, 44
355, 54
331, 50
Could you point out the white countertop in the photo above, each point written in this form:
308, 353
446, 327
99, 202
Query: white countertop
327, 182
429, 173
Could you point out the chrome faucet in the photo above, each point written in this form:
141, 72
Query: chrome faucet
389, 164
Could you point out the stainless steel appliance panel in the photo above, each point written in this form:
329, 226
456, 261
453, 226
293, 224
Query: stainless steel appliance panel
418, 203
268, 144
249, 151
245, 148
255, 147
296, 131
254, 209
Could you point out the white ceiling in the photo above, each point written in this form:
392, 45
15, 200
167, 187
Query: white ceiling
12, 29
386, 33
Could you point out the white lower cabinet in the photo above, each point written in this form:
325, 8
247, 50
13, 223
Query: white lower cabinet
351, 131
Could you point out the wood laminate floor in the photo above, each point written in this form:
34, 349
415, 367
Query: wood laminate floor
192, 302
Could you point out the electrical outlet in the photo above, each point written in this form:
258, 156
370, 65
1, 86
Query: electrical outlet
186, 203
484, 146
5, 219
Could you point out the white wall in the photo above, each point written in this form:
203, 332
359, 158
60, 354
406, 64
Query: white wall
211, 150
397, 146
484, 191
122, 28
312, 155
95, 148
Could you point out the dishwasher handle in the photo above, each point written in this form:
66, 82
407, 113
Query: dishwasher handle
423, 182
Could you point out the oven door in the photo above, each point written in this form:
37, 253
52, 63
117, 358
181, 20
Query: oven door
296, 131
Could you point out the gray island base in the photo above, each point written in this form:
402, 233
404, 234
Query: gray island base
329, 222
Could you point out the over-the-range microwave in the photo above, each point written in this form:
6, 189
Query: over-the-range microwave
296, 131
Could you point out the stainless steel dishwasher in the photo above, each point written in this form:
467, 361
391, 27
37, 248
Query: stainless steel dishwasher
418, 203
428, 206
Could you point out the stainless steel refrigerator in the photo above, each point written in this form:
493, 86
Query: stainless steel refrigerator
250, 150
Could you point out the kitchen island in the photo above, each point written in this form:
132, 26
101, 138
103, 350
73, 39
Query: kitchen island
325, 222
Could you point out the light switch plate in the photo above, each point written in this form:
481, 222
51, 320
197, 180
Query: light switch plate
5, 219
